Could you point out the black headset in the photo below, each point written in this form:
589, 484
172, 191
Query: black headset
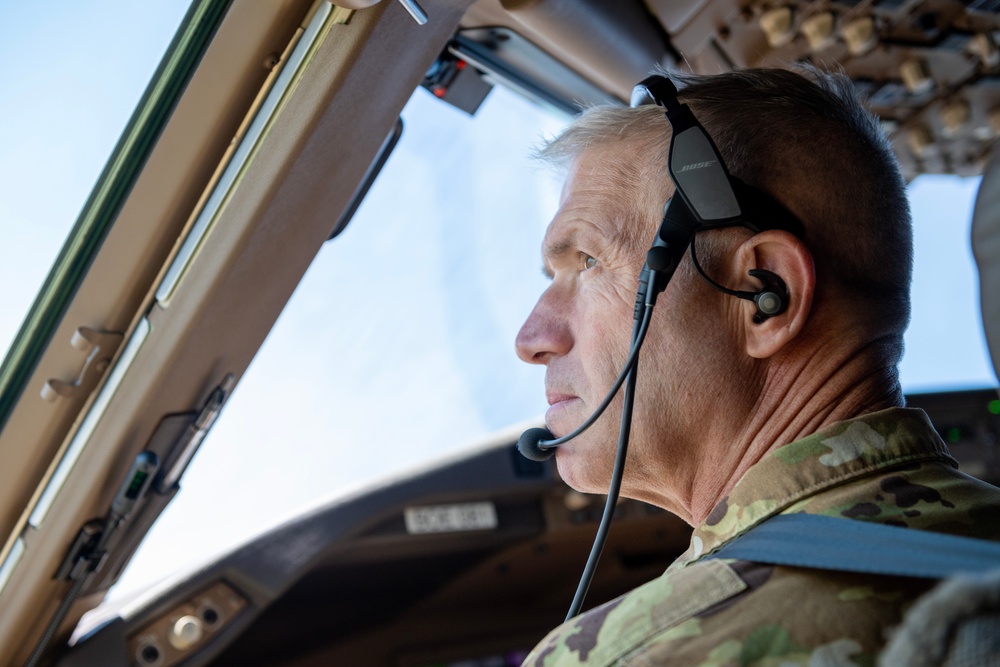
710, 198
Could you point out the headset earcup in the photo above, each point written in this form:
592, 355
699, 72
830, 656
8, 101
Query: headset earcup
768, 303
773, 298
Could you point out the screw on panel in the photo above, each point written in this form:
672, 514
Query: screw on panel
272, 61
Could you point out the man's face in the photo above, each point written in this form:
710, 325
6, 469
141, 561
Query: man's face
580, 329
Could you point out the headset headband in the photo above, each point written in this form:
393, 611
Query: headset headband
710, 197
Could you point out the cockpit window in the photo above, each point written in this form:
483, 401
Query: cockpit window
80, 70
397, 348
945, 344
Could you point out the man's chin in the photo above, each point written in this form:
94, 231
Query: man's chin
579, 472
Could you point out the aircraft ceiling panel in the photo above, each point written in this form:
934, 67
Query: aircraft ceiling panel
930, 68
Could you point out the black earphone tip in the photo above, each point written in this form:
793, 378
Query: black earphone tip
528, 444
773, 298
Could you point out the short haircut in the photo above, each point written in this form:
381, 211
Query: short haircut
804, 137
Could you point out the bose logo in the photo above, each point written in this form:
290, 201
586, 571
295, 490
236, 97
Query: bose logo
697, 165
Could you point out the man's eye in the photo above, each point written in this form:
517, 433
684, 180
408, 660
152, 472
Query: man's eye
589, 262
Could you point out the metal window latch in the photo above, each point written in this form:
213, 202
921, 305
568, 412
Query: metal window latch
411, 6
186, 447
100, 347
81, 557
415, 10
89, 550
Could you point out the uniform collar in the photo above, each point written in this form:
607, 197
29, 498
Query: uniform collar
830, 457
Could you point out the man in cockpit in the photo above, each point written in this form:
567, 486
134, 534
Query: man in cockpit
741, 416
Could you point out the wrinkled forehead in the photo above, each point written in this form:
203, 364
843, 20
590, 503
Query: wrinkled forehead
618, 186
632, 169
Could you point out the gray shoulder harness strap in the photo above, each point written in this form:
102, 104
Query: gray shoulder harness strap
845, 545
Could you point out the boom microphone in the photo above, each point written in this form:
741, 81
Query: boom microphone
530, 445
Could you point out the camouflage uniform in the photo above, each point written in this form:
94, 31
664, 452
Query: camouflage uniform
889, 467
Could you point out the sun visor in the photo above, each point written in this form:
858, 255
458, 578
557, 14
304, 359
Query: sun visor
986, 248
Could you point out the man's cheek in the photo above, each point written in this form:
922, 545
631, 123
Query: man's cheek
609, 335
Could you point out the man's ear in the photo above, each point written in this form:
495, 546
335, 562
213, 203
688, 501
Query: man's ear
786, 256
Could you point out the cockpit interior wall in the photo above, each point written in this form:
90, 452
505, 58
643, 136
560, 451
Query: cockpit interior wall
928, 68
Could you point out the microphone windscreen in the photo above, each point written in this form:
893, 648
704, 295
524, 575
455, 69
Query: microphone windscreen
527, 444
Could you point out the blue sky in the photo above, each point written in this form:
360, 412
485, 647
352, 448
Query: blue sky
342, 394
946, 347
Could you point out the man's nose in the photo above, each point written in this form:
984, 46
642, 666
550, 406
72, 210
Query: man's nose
546, 332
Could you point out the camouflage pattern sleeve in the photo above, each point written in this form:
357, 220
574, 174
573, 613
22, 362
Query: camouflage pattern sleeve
889, 467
